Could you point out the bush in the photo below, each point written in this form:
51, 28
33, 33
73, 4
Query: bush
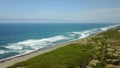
71, 56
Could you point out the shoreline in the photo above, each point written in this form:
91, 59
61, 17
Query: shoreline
8, 62
13, 60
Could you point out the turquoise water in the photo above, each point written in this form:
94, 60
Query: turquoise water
19, 39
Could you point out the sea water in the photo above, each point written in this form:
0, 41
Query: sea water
22, 38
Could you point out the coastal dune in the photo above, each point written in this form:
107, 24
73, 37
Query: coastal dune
12, 61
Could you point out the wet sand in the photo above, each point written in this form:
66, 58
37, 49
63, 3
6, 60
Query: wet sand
14, 60
11, 61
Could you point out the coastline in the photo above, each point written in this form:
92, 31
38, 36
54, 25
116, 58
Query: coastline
11, 61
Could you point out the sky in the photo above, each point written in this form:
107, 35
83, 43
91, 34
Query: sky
59, 11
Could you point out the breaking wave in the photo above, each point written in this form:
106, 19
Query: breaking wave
31, 45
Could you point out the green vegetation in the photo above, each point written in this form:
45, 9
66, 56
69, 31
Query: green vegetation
71, 56
99, 52
109, 48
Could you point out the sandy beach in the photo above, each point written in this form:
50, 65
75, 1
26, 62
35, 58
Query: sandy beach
9, 62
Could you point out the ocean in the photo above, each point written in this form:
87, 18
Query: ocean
23, 38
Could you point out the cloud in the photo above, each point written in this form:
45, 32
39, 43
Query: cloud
93, 15
112, 14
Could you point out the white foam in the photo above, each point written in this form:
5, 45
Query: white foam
14, 46
85, 33
108, 27
2, 51
72, 35
34, 44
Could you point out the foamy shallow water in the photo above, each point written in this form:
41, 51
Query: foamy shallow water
31, 45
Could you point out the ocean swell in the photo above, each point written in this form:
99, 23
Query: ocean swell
31, 45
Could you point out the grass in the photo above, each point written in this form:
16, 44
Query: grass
71, 56
75, 55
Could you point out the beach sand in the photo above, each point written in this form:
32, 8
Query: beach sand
14, 60
9, 62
